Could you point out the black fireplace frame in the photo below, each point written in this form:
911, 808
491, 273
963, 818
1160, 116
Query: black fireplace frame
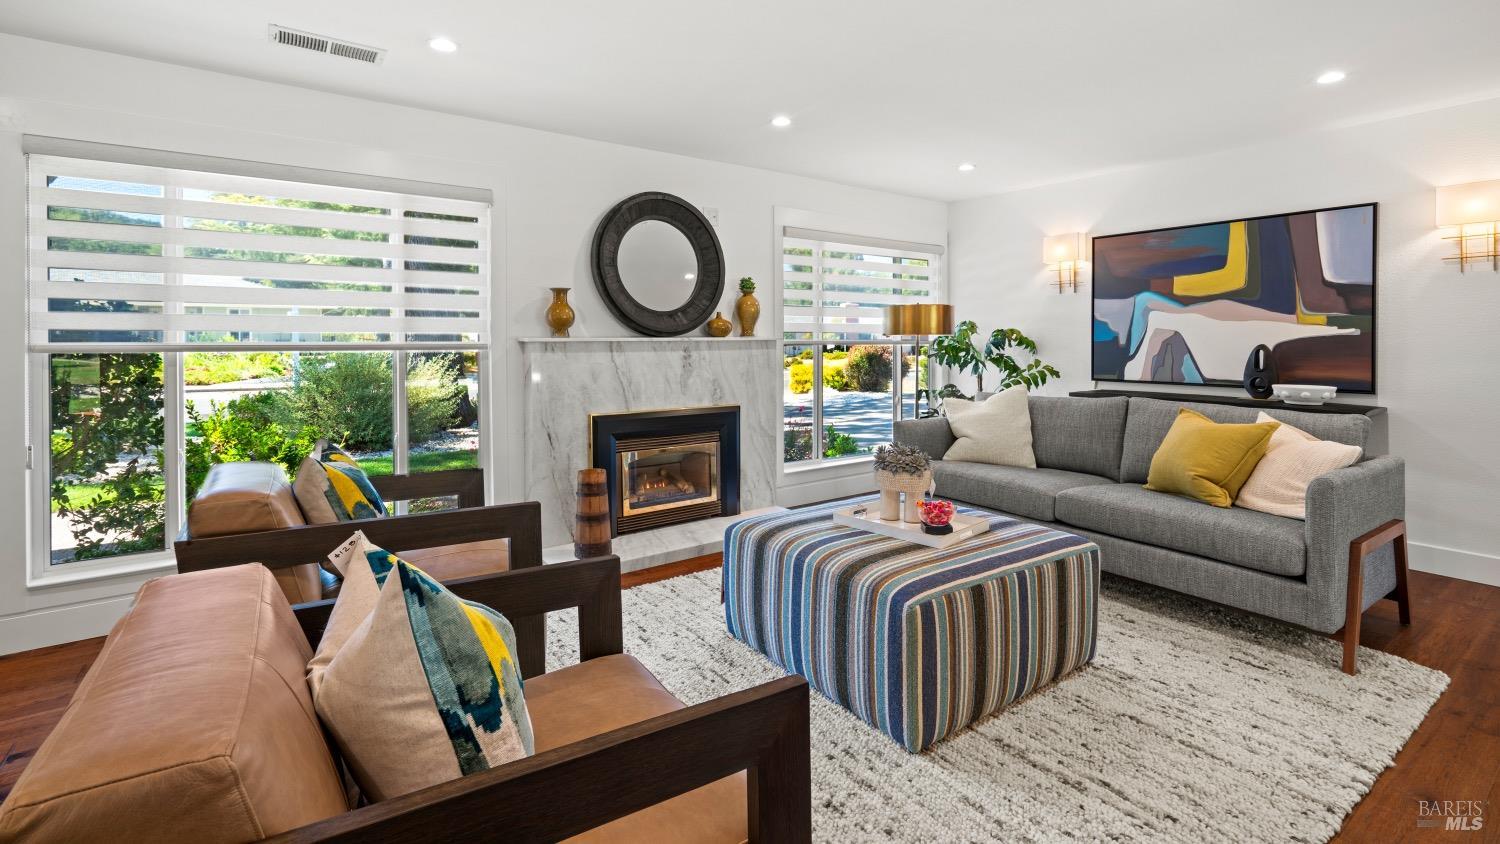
607, 429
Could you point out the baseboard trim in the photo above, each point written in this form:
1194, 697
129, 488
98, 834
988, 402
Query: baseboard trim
58, 625
1452, 562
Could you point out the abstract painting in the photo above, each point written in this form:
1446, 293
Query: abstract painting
1187, 305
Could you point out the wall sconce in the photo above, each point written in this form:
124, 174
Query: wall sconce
1066, 254
1473, 212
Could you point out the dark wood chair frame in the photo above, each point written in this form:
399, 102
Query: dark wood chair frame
521, 524
567, 790
1359, 550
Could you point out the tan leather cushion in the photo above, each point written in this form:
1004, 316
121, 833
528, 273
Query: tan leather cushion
194, 724
243, 498
603, 694
467, 559
247, 498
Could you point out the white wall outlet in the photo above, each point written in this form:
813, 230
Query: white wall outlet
713, 216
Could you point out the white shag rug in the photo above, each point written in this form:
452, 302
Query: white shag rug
1193, 723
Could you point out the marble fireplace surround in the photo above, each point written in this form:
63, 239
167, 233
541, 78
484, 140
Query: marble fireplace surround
566, 379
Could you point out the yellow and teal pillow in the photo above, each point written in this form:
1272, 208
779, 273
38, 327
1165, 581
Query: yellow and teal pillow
417, 685
331, 487
1206, 460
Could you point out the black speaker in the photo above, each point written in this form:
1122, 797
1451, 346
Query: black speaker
1260, 372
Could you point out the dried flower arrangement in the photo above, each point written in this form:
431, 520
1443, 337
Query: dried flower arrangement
901, 460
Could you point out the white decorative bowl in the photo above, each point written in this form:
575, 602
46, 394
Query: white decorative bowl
1304, 393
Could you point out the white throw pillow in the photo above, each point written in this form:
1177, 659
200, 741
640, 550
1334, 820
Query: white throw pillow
996, 430
1293, 459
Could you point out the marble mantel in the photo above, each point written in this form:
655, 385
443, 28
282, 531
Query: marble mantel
566, 379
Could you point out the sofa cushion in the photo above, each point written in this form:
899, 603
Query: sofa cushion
466, 559
1208, 461
1148, 421
600, 695
426, 689
996, 430
1079, 434
250, 497
331, 487
242, 498
1259, 541
1025, 492
194, 724
1295, 458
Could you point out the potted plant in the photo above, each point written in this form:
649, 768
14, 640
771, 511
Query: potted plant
748, 307
958, 351
901, 470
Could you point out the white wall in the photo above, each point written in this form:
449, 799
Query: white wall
1438, 338
550, 192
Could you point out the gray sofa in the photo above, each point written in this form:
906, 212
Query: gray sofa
1092, 457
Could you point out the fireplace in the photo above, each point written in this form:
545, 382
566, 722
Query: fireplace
668, 466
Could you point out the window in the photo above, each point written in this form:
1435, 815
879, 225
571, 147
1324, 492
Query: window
186, 311
845, 382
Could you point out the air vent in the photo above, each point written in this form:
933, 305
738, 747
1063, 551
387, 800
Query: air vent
324, 44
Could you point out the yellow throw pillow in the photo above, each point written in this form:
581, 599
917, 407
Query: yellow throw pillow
1206, 460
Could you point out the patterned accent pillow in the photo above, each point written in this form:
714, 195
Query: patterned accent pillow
331, 487
417, 685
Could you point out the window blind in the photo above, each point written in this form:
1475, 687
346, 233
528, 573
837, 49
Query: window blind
142, 256
836, 287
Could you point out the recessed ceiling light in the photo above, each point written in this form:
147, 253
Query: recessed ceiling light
966, 167
781, 121
1330, 77
443, 45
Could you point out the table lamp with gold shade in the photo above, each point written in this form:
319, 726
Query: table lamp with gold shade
920, 323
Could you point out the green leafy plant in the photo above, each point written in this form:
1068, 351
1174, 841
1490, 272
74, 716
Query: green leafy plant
835, 378
836, 444
107, 480
346, 397
221, 367
252, 427
960, 352
747, 285
1034, 373
869, 368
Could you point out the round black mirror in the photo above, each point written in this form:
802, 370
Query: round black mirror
658, 264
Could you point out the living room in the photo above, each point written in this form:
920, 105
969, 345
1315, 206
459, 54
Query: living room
1126, 388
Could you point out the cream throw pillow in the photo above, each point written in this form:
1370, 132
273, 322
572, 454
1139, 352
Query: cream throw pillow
1279, 483
996, 430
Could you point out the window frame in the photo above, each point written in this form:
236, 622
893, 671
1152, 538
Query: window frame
936, 256
40, 570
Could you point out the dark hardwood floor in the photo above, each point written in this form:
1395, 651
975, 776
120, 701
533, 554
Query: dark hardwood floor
1454, 755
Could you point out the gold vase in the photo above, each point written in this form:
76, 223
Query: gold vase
719, 326
748, 310
560, 313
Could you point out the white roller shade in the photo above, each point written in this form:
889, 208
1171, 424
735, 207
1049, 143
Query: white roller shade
136, 256
836, 287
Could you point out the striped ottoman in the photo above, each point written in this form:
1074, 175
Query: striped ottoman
919, 642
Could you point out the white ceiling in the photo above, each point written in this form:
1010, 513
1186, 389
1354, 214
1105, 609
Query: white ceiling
890, 95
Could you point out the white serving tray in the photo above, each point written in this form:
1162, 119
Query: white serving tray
964, 527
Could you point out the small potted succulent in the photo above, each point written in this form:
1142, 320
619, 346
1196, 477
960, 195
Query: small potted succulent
748, 307
901, 470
